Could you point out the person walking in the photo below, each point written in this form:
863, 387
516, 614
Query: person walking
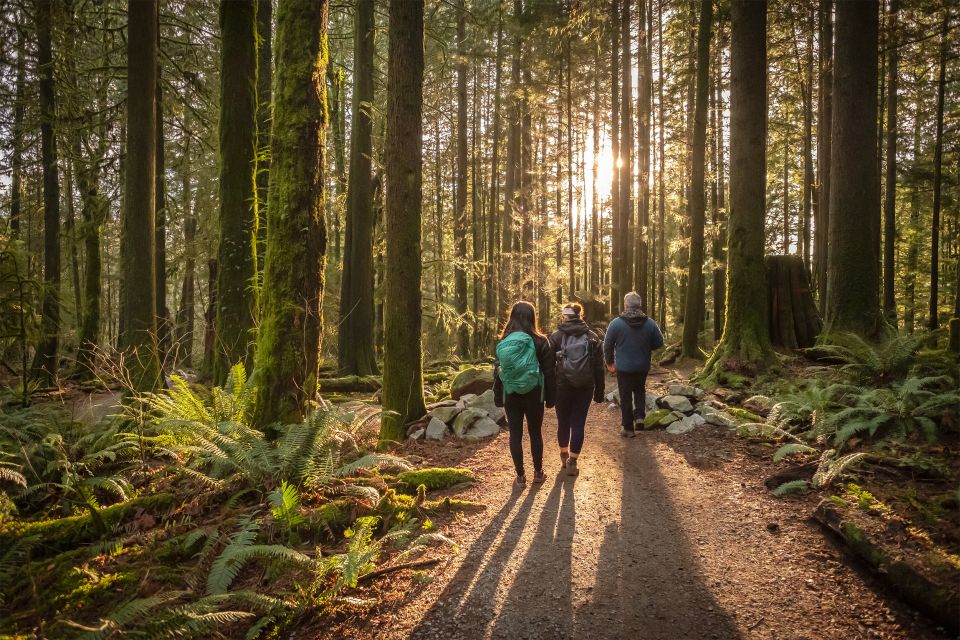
580, 378
523, 381
630, 339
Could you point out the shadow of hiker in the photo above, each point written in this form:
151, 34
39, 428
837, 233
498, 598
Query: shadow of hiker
544, 607
467, 602
649, 582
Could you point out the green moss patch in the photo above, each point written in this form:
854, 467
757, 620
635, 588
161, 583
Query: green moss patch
742, 415
433, 479
62, 534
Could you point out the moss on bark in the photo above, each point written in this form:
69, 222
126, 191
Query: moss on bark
288, 347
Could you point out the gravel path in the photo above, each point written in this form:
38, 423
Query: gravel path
660, 536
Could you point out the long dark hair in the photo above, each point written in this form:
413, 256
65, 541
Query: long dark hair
522, 317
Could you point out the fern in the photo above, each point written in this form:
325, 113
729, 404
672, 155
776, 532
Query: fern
14, 557
225, 568
791, 449
793, 486
831, 467
285, 503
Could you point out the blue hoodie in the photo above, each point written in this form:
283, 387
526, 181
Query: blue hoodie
630, 340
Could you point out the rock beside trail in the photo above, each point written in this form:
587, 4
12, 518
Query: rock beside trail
676, 403
482, 428
685, 390
416, 435
760, 405
465, 420
687, 424
436, 429
716, 417
471, 380
445, 414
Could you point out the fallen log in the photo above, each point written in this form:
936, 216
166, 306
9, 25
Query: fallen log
350, 384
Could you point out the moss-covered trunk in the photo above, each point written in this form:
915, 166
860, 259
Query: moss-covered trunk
288, 346
137, 248
355, 351
264, 121
853, 278
45, 357
695, 284
237, 251
746, 336
403, 358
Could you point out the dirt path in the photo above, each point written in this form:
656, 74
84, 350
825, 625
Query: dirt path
660, 536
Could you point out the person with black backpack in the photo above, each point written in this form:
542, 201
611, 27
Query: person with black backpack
580, 377
523, 382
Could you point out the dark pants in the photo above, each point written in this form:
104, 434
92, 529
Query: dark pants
529, 405
572, 407
633, 397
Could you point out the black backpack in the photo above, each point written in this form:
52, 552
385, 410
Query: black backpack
576, 361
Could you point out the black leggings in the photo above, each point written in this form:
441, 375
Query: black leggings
572, 407
529, 405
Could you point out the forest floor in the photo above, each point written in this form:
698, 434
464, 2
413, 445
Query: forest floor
660, 536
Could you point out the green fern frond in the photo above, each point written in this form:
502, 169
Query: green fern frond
225, 569
285, 504
372, 460
14, 557
15, 477
831, 467
791, 449
794, 486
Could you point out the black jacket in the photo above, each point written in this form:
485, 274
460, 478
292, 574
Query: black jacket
577, 328
548, 366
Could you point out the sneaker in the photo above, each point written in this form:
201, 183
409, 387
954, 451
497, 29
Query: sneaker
538, 477
628, 433
637, 424
521, 481
563, 459
572, 469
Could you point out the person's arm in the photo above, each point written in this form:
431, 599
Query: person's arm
497, 386
599, 378
548, 366
609, 342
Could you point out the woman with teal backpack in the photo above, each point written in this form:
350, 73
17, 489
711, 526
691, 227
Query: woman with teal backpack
523, 382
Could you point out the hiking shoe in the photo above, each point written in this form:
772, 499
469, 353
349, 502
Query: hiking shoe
572, 469
637, 424
538, 477
563, 459
521, 481
628, 433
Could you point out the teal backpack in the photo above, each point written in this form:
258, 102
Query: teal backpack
519, 366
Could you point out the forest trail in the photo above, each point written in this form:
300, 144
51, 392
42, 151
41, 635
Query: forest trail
660, 537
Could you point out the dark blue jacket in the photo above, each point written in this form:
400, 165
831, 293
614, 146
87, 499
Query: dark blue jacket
630, 339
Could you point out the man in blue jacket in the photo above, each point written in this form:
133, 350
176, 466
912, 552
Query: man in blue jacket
630, 340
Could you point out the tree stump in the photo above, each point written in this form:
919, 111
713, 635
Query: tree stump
794, 320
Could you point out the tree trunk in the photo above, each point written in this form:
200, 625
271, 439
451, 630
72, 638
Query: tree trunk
460, 197
403, 359
237, 251
138, 313
933, 321
913, 245
808, 176
163, 313
45, 359
70, 226
571, 255
745, 343
595, 237
264, 121
186, 310
661, 191
494, 278
854, 278
693, 313
794, 321
824, 124
288, 346
16, 160
616, 233
626, 151
355, 348
890, 194
719, 221
508, 240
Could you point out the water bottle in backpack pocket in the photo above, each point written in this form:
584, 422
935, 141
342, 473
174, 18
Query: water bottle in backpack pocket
576, 361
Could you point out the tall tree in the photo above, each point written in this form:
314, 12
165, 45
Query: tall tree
616, 240
693, 315
16, 151
288, 344
45, 358
460, 196
644, 107
264, 120
138, 313
508, 239
163, 313
933, 320
853, 288
626, 150
237, 250
890, 192
746, 335
355, 345
493, 283
403, 357
824, 119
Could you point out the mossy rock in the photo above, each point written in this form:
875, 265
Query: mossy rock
433, 479
471, 380
654, 418
743, 416
62, 534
